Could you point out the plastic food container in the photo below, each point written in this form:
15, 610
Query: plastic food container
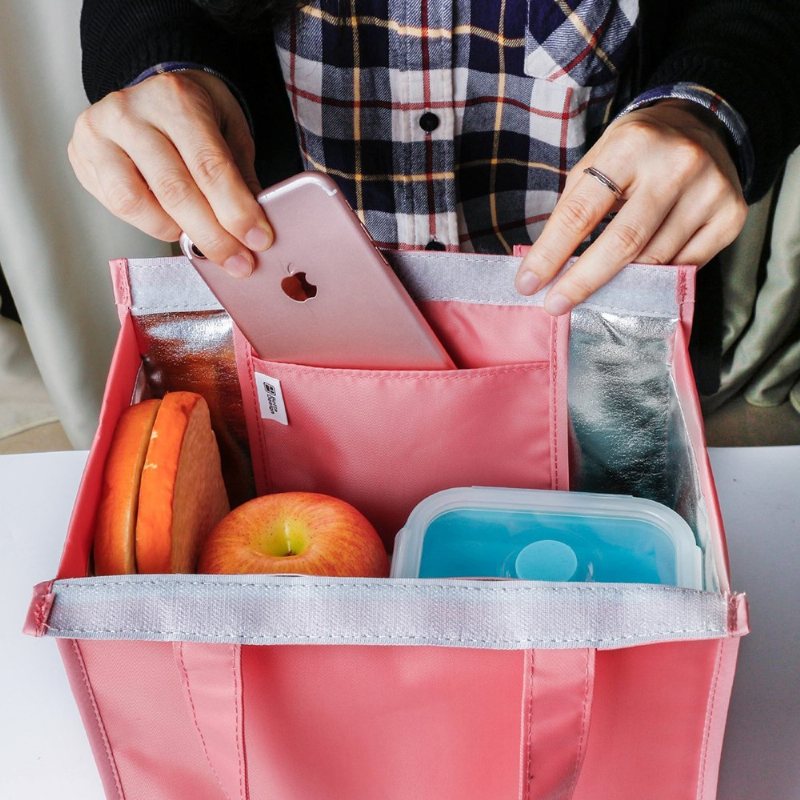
548, 536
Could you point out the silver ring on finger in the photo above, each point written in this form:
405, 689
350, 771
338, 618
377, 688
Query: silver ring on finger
605, 180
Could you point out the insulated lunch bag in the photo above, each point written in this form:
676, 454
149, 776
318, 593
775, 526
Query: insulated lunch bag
306, 687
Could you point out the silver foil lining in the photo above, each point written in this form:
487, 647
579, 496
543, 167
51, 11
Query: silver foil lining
193, 351
628, 435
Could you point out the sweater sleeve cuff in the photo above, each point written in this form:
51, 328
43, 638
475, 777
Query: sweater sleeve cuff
730, 118
182, 66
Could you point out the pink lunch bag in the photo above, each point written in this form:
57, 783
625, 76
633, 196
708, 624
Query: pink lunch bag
304, 688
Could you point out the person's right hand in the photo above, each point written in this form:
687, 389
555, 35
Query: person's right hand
175, 153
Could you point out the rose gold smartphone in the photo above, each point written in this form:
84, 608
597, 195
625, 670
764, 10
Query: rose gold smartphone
322, 295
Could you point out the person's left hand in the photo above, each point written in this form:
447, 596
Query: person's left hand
681, 203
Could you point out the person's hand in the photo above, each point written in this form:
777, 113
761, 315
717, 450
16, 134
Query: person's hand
175, 153
681, 202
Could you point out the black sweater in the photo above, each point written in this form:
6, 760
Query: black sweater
745, 50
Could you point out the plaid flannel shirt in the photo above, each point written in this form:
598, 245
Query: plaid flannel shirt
453, 125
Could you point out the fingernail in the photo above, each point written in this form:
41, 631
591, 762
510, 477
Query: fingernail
556, 304
238, 266
528, 282
258, 238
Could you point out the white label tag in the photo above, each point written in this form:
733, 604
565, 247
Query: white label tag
270, 398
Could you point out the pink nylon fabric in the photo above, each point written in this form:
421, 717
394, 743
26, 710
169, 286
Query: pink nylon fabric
716, 717
492, 335
384, 440
138, 695
649, 734
362, 715
353, 723
94, 724
395, 723
422, 720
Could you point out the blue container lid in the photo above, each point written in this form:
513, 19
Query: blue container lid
547, 536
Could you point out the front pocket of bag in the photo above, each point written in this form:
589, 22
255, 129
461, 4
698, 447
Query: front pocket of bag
586, 46
383, 440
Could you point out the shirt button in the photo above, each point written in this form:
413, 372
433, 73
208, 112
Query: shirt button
434, 245
429, 122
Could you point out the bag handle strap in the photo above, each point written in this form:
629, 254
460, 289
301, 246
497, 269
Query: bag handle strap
556, 713
211, 676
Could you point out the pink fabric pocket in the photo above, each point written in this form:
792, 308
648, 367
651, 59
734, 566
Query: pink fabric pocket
384, 439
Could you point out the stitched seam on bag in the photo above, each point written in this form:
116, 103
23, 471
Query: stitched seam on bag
65, 585
701, 778
237, 730
484, 300
100, 726
529, 763
259, 423
667, 384
197, 727
122, 283
472, 259
579, 753
142, 311
650, 636
472, 373
681, 287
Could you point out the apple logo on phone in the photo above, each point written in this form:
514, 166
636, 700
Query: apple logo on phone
297, 287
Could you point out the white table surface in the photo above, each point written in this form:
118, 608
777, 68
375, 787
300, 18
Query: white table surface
44, 752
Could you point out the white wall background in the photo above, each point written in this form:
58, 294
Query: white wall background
55, 240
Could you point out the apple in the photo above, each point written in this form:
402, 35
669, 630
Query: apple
295, 532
